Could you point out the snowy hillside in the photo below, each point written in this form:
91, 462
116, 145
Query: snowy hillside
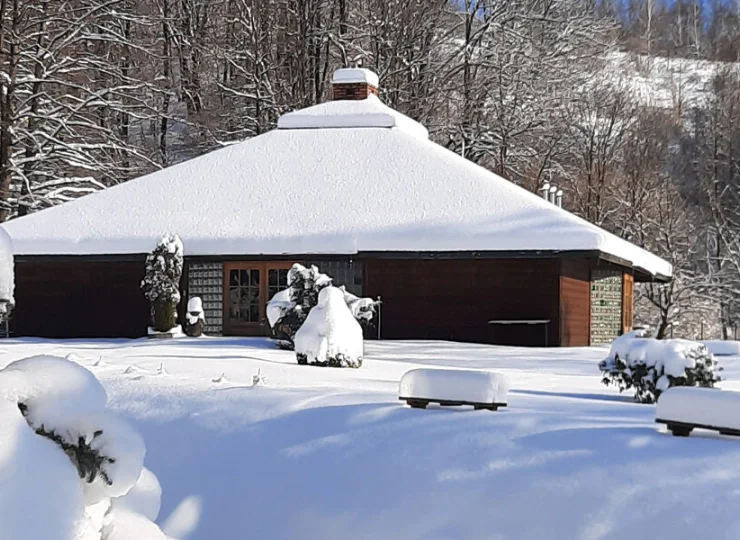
331, 454
664, 82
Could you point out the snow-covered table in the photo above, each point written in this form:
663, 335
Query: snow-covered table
684, 408
454, 387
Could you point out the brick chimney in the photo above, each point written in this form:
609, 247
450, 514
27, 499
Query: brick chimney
354, 84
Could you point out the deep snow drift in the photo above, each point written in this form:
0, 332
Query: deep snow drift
319, 453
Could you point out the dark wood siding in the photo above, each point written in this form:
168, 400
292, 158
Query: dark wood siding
57, 298
575, 302
454, 299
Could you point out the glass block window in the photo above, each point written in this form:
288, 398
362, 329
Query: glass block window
606, 306
206, 281
344, 273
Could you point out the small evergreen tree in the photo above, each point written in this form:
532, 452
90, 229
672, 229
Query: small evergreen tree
162, 280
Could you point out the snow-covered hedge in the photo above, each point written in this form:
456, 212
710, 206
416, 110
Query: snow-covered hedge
65, 459
651, 366
288, 309
162, 281
7, 275
330, 335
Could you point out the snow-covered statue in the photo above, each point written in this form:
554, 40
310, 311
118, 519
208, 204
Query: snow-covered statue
195, 320
7, 281
330, 335
71, 468
161, 283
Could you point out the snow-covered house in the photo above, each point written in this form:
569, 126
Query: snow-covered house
358, 189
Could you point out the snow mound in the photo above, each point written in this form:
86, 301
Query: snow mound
195, 310
144, 498
330, 335
122, 524
668, 356
454, 385
701, 406
723, 348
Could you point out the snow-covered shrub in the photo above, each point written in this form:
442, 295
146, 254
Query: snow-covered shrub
330, 335
64, 453
162, 280
195, 319
288, 309
7, 275
651, 366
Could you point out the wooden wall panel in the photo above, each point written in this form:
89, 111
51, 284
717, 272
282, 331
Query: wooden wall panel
455, 299
628, 300
575, 302
69, 299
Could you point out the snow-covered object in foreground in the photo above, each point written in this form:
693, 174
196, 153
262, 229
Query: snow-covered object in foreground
7, 275
363, 309
723, 347
454, 386
53, 411
162, 281
699, 407
652, 366
40, 495
330, 336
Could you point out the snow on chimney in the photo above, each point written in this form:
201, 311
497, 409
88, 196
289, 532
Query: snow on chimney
354, 84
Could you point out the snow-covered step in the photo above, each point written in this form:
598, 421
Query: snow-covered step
451, 387
684, 408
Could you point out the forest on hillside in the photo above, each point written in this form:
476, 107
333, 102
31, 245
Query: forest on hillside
632, 107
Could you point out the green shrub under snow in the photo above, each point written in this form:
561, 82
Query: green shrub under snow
651, 366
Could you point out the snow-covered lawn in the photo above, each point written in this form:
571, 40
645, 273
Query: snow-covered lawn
331, 454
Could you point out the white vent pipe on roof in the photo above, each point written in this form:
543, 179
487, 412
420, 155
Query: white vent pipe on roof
545, 190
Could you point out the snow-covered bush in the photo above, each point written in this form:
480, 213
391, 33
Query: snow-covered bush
288, 309
195, 319
64, 454
330, 335
651, 366
161, 282
7, 279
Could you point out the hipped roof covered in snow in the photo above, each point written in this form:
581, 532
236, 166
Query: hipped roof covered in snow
343, 177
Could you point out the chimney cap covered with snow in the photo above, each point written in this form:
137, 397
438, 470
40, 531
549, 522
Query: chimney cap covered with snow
354, 83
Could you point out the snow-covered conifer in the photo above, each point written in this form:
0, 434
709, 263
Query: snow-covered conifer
330, 335
162, 280
288, 309
73, 458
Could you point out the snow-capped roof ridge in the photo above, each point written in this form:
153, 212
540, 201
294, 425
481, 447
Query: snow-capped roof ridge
365, 113
355, 75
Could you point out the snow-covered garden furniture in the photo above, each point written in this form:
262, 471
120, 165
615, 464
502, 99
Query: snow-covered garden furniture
453, 387
651, 366
195, 320
683, 409
330, 335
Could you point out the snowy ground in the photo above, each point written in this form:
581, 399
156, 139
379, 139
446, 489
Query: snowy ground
331, 454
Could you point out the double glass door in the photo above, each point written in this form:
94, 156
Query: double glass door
248, 286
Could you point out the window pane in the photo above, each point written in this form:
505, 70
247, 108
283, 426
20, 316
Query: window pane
254, 313
283, 279
272, 277
255, 277
233, 278
244, 277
